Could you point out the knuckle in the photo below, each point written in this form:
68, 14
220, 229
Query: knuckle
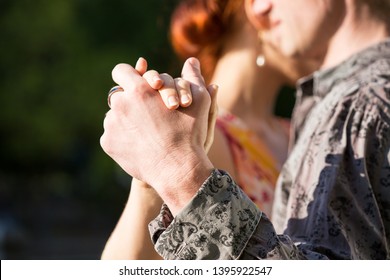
107, 139
202, 89
153, 78
119, 68
106, 122
105, 143
110, 122
182, 83
150, 73
166, 77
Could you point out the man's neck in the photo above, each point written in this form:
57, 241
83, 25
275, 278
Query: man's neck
358, 31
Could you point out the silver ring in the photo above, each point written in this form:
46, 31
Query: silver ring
111, 92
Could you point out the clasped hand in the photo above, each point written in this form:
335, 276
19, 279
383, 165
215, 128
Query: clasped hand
162, 147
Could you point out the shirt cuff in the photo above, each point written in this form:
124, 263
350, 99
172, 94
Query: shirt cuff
216, 224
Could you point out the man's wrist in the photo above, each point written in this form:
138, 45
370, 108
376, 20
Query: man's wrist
178, 184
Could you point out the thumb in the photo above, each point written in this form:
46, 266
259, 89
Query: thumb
213, 89
191, 72
213, 113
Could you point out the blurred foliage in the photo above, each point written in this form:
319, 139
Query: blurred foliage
56, 58
55, 63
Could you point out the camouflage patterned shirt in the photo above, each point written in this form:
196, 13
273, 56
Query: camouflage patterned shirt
332, 198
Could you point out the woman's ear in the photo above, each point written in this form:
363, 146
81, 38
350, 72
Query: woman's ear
257, 12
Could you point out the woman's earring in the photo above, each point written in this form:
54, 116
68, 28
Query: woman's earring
260, 60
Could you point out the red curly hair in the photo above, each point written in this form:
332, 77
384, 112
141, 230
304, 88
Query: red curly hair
199, 27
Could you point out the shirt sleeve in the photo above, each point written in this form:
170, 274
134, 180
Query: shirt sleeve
221, 222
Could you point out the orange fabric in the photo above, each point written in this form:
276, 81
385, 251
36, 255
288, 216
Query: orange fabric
257, 170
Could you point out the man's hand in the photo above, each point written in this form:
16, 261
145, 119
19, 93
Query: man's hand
164, 148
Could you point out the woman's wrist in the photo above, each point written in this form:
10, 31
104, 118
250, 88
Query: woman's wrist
144, 194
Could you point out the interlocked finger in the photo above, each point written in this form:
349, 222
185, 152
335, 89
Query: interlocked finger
183, 88
168, 92
153, 78
141, 66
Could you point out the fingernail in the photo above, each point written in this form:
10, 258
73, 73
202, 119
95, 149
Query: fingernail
172, 101
185, 99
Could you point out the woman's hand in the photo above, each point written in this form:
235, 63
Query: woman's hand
176, 93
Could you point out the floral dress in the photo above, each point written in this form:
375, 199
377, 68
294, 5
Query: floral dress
256, 168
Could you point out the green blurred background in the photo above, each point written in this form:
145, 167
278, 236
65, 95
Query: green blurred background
60, 194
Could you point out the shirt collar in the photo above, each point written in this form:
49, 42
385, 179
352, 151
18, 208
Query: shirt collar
321, 82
